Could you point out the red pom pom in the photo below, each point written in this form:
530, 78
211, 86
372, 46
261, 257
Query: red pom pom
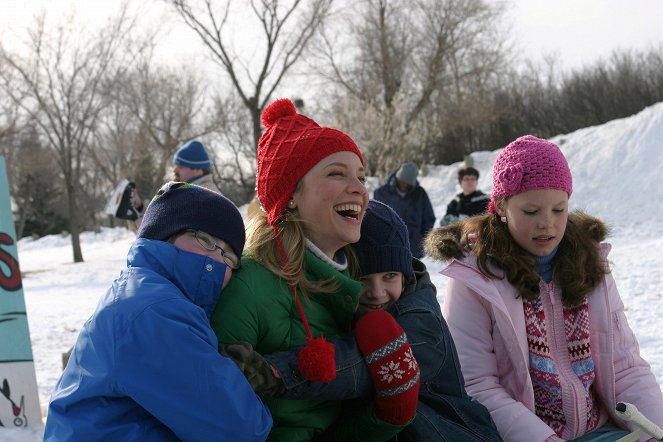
316, 360
278, 109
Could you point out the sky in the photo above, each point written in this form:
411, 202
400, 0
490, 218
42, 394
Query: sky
611, 164
579, 31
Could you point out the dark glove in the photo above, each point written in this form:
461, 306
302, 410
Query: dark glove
264, 379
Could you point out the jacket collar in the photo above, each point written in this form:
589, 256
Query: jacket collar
391, 181
198, 277
420, 280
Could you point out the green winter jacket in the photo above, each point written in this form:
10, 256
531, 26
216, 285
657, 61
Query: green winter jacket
259, 308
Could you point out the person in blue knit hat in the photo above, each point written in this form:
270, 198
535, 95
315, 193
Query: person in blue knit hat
146, 365
397, 283
191, 164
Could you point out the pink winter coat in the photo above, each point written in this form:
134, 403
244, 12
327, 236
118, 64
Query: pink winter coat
488, 326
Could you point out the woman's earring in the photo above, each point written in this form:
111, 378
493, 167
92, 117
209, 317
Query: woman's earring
503, 219
292, 204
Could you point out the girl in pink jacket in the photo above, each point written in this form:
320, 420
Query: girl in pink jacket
535, 313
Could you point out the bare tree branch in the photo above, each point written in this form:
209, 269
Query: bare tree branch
61, 85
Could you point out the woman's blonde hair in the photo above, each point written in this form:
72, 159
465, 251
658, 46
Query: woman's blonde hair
578, 265
261, 246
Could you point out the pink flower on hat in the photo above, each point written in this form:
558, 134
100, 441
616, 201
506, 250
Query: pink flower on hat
511, 177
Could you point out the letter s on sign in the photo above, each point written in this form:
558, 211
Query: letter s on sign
12, 281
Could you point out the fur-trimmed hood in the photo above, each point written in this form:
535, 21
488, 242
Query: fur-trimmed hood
446, 243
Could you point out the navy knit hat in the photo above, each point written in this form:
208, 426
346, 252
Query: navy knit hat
181, 206
193, 155
384, 245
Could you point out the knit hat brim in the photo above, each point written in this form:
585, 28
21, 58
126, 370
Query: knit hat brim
385, 258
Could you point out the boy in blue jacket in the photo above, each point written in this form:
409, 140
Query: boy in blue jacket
146, 364
397, 283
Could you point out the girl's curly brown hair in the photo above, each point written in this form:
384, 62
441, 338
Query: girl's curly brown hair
578, 265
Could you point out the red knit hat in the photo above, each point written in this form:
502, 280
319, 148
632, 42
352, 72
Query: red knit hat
291, 145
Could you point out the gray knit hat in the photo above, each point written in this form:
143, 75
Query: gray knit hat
408, 173
384, 245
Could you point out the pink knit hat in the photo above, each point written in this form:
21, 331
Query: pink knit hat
529, 163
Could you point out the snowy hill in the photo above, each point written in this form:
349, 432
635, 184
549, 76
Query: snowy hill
616, 170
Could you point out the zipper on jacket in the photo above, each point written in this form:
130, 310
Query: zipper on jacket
575, 424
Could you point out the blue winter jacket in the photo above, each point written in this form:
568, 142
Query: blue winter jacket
414, 208
445, 412
146, 366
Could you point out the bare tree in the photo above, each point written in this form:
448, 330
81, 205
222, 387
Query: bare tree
156, 109
61, 85
237, 158
9, 125
414, 59
36, 186
286, 31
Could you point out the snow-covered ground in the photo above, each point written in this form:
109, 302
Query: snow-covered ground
616, 171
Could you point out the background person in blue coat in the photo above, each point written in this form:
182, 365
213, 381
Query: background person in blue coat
146, 364
410, 201
397, 283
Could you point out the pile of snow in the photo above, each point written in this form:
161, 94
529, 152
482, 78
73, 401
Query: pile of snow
614, 166
616, 169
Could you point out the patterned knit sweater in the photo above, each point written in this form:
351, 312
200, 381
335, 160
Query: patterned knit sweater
561, 366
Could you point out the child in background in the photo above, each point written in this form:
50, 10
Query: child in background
399, 284
146, 364
471, 201
542, 336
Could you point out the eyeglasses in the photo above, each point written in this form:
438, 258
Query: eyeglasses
207, 243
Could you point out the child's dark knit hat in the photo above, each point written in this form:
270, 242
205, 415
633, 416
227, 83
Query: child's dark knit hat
384, 245
181, 206
467, 170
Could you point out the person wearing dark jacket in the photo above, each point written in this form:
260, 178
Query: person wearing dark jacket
410, 201
146, 364
470, 201
398, 284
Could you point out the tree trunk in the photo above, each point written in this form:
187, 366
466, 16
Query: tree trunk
257, 127
73, 224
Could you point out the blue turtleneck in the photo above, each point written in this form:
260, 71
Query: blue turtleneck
544, 265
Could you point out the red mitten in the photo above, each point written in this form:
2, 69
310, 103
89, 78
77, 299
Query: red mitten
391, 364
